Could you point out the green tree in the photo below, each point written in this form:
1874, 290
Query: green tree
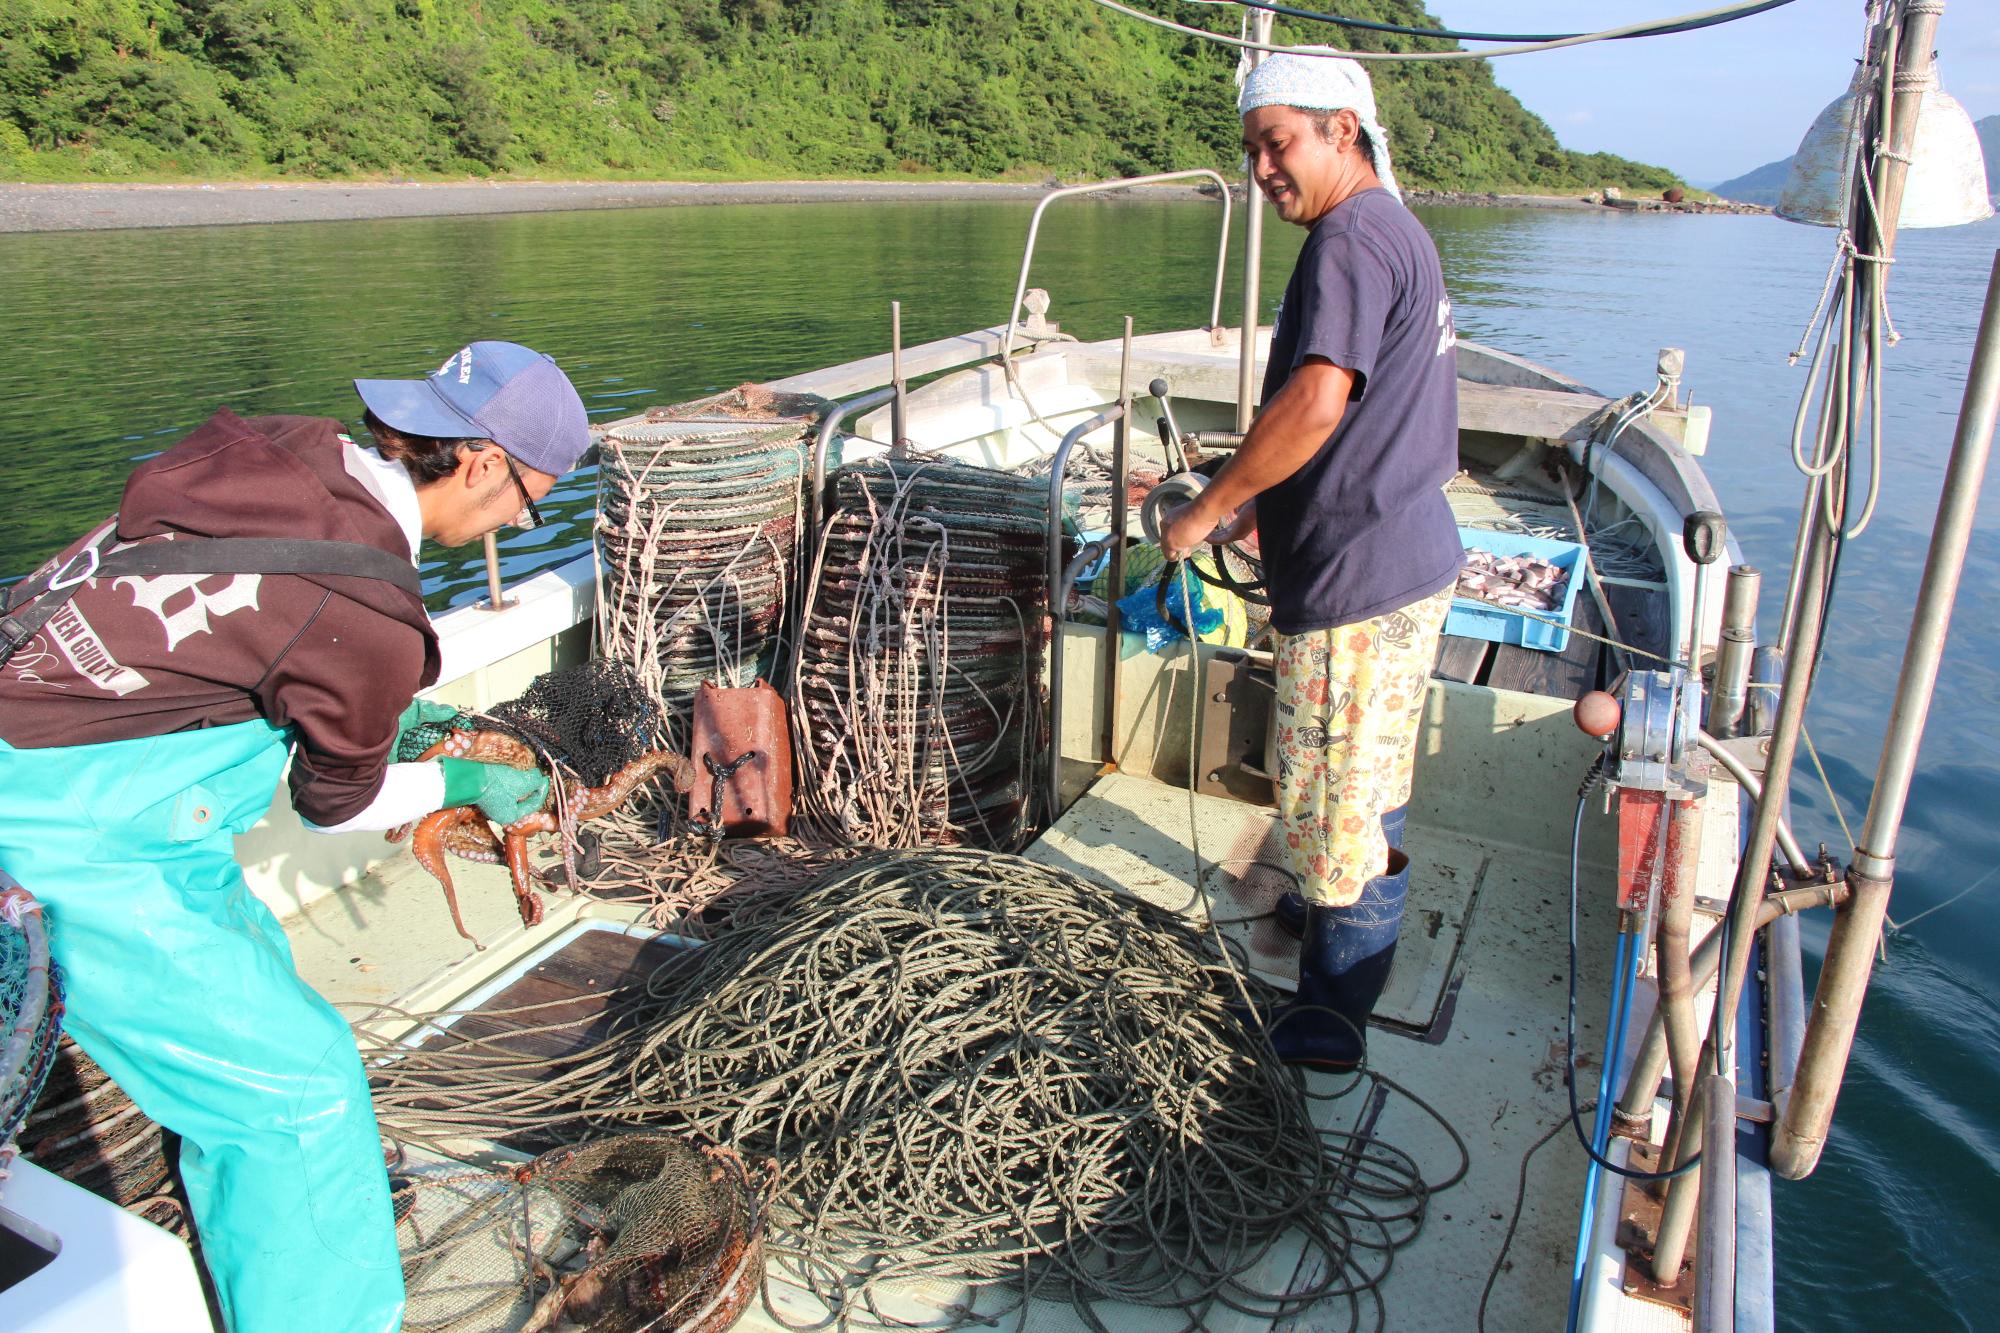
173, 88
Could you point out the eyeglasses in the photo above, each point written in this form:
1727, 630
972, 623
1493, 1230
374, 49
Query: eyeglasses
530, 517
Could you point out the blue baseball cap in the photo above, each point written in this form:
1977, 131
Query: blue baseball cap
503, 392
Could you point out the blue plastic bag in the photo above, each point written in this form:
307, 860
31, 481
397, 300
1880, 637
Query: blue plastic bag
1140, 612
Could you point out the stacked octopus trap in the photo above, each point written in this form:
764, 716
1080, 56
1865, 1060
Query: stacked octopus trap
917, 688
698, 527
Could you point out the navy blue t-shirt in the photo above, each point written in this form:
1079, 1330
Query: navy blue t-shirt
1364, 527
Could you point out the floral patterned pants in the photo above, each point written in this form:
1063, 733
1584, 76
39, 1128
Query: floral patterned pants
1350, 704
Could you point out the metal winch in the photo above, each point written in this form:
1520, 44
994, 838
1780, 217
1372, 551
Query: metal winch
1181, 485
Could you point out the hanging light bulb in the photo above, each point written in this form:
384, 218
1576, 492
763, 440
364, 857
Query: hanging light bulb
1946, 185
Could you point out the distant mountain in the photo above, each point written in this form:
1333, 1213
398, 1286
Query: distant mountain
1758, 187
1763, 185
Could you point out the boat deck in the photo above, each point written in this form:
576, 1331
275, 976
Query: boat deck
1471, 1022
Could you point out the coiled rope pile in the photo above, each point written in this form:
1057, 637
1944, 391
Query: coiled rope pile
916, 698
966, 1065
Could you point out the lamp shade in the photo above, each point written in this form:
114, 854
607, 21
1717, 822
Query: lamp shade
1946, 185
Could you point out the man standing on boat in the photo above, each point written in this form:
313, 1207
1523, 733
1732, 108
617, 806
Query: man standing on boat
149, 703
1342, 476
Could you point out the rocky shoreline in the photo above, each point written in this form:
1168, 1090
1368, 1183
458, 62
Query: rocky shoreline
1613, 199
45, 208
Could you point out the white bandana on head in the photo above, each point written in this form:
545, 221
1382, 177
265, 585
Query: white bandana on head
1320, 83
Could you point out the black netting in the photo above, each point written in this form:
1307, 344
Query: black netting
413, 744
593, 718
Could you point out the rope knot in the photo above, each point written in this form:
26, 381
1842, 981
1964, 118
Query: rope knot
15, 906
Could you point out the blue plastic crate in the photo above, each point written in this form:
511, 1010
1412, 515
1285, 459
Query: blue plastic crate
1470, 619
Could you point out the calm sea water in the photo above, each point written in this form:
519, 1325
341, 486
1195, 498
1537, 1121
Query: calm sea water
118, 343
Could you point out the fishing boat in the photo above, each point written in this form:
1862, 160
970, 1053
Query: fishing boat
1598, 873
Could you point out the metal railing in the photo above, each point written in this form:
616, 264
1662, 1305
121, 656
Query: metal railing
829, 426
1035, 226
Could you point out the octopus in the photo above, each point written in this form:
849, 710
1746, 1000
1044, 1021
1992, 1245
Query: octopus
462, 831
679, 1245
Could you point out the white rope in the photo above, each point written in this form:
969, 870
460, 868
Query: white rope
1898, 927
16, 905
1843, 248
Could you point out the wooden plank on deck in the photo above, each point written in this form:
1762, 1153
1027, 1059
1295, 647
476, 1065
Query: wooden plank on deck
577, 992
1563, 675
1460, 659
1548, 414
1643, 619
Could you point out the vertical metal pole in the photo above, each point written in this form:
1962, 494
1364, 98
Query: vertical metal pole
1715, 1256
1680, 836
1121, 480
1916, 74
1875, 234
898, 423
1253, 252
1857, 929
1784, 1009
1683, 1194
493, 602
1729, 693
1752, 871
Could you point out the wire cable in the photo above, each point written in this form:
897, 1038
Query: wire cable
1702, 18
1454, 34
1514, 1222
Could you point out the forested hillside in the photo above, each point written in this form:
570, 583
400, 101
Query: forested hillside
136, 89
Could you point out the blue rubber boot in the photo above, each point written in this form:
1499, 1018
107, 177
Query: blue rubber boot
1343, 967
1290, 909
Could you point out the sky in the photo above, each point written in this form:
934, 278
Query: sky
1716, 103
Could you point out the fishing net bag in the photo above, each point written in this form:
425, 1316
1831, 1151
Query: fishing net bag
639, 1231
31, 1008
591, 720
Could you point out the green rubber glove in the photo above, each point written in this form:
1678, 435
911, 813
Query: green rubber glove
504, 795
423, 711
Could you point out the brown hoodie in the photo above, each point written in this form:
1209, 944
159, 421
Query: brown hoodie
334, 657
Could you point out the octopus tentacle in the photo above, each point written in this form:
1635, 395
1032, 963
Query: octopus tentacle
428, 843
462, 831
516, 841
596, 802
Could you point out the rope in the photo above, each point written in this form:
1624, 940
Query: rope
969, 1065
1900, 926
1595, 638
1832, 799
